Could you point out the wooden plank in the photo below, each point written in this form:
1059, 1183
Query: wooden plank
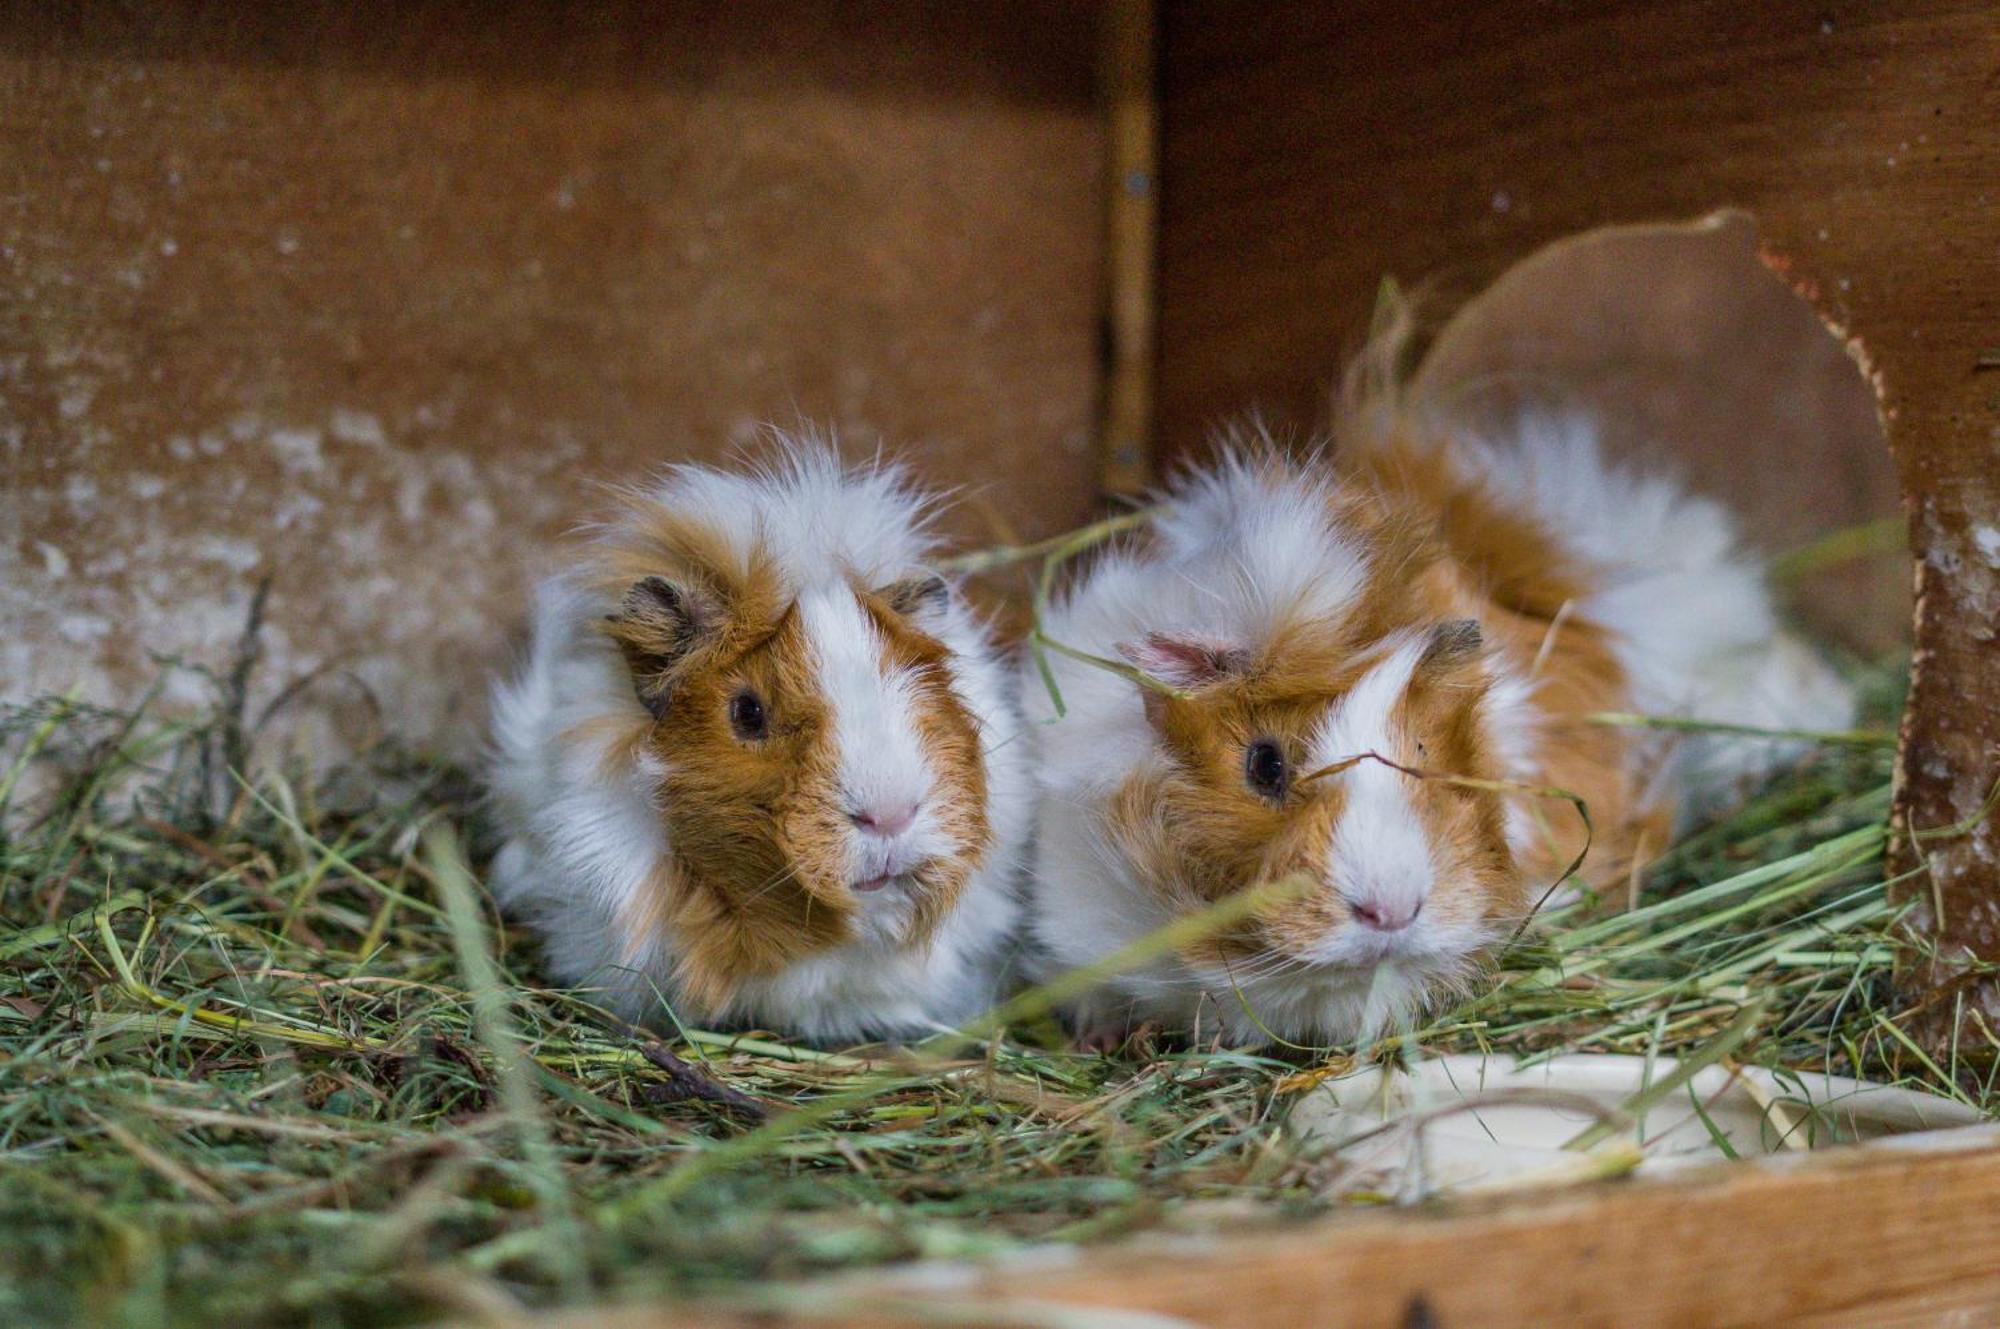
1307, 149
1975, 1301
1903, 1232
367, 297
1131, 190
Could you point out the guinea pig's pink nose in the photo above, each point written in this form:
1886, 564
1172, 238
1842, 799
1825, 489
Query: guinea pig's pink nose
1383, 916
885, 820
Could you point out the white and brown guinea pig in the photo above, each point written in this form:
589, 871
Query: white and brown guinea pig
763, 766
1454, 605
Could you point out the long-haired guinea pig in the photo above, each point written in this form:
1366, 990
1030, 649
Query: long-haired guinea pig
1336, 632
762, 765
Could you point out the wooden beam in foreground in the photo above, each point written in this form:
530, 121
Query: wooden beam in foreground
1898, 1232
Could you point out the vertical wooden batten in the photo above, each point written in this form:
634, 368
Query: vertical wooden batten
1131, 210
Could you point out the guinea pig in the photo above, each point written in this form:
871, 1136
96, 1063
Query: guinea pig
1340, 659
763, 766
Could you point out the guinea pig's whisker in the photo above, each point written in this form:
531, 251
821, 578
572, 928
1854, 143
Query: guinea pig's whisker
1004, 743
1282, 966
1259, 966
1208, 979
1210, 591
784, 874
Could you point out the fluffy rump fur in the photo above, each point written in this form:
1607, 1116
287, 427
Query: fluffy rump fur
1687, 608
760, 765
1454, 605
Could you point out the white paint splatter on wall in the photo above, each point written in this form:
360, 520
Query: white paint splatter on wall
387, 578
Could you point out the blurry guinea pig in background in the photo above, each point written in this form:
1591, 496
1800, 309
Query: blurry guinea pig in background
762, 764
1329, 633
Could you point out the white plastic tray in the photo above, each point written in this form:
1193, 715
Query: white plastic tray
1470, 1122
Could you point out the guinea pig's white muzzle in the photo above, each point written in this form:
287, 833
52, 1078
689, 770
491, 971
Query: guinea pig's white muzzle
890, 845
1385, 917
1381, 867
885, 821
886, 786
891, 841
1387, 913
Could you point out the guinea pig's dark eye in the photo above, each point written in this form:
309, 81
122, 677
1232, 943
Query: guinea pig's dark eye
1264, 768
746, 716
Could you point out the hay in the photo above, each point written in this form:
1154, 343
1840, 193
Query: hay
267, 1057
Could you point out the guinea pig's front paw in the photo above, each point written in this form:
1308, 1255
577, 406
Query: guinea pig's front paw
1108, 1036
1101, 1040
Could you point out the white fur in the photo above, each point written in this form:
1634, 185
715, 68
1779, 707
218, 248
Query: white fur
581, 844
1240, 552
1696, 629
1382, 856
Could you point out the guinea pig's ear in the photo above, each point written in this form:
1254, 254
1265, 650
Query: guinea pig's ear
919, 599
1452, 644
656, 626
1188, 661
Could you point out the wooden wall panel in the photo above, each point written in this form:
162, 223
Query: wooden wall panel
1307, 149
363, 297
